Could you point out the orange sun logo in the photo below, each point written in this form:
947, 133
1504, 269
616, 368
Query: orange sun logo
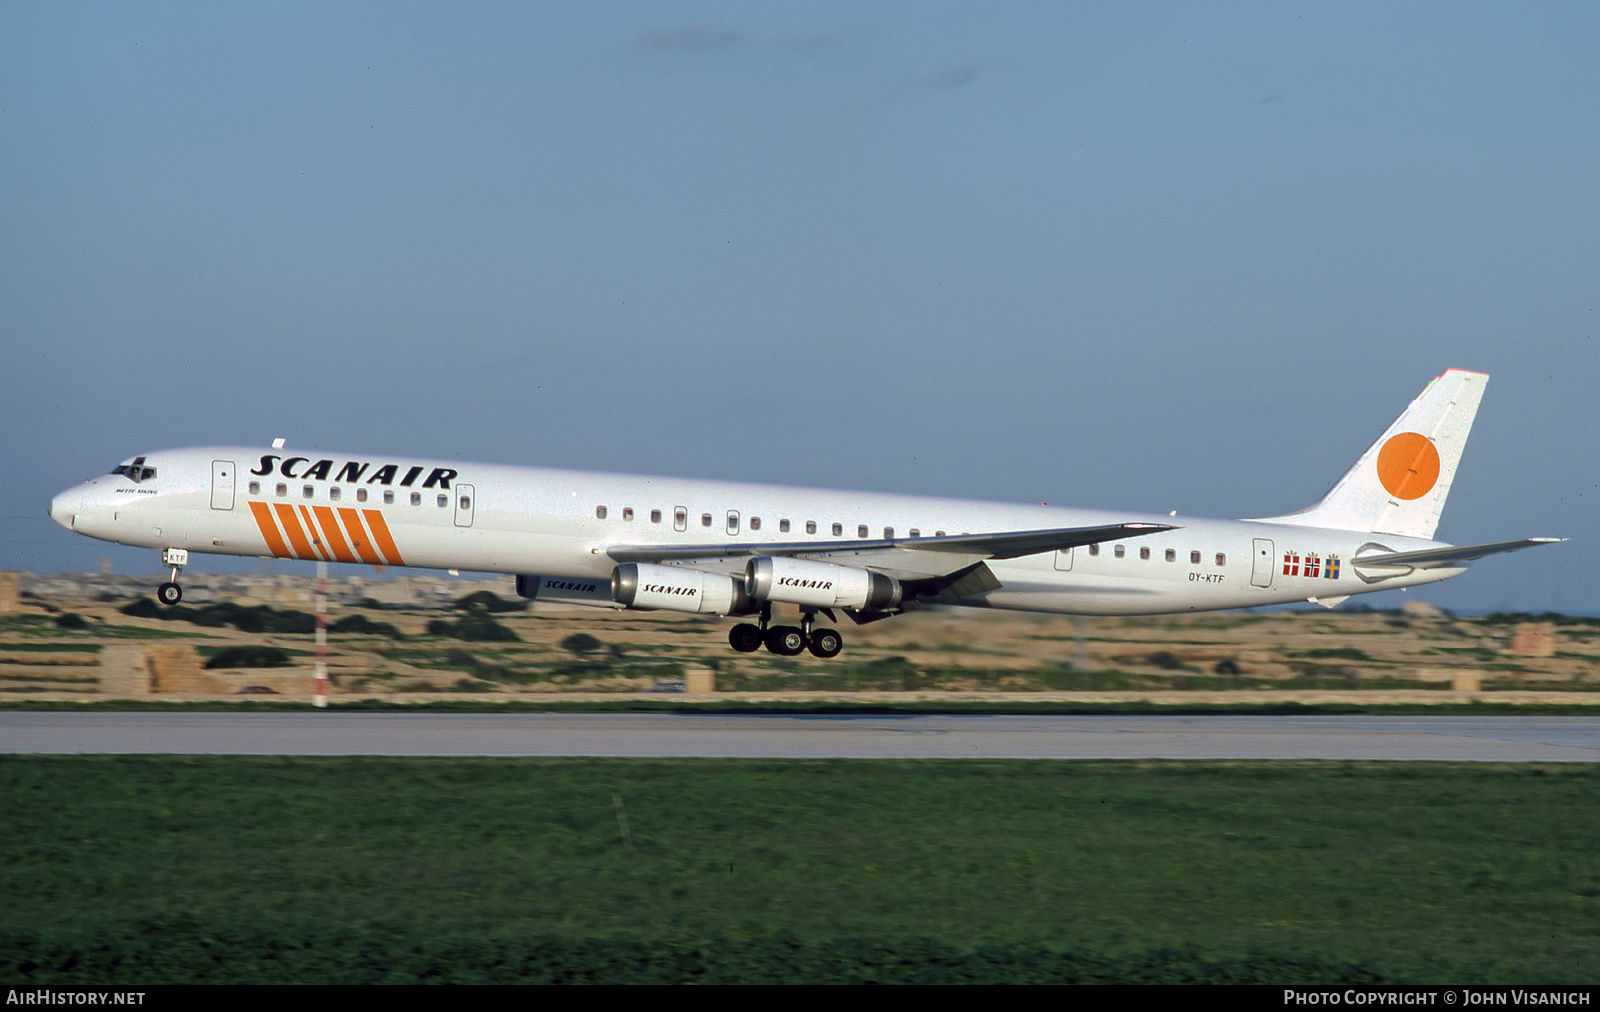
1408, 465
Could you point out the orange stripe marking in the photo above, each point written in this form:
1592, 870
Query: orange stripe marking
291, 527
330, 527
380, 534
358, 536
269, 530
317, 543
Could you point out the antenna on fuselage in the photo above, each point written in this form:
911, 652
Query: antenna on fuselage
277, 444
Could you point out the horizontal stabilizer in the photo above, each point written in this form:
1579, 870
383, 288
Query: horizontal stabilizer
1432, 558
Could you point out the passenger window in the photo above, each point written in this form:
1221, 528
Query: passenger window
361, 495
1119, 550
655, 516
1144, 553
680, 519
1172, 555
1094, 549
811, 527
705, 520
1194, 558
333, 493
627, 512
938, 534
307, 492
888, 534
733, 522
282, 489
255, 488
1222, 559
755, 523
783, 527
443, 500
861, 531
388, 497
416, 498
466, 502
838, 530
599, 512
914, 533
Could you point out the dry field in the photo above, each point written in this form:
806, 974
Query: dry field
1418, 654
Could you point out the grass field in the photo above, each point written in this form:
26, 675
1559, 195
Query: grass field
159, 869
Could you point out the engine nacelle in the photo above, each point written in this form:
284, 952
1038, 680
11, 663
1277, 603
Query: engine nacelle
567, 590
646, 585
819, 584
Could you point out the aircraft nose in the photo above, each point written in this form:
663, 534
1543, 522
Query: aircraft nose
65, 507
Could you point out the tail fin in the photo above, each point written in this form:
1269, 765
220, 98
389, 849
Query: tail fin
1399, 485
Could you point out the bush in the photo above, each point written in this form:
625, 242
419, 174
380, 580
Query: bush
581, 643
364, 625
249, 657
489, 601
143, 607
1340, 653
258, 619
71, 620
475, 625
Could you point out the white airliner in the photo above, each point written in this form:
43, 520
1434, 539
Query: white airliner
728, 548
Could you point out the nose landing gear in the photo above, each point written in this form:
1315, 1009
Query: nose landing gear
170, 593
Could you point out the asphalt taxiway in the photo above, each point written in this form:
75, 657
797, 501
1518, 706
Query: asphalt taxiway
804, 736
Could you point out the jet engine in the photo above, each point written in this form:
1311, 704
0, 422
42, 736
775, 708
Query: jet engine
819, 584
646, 585
567, 590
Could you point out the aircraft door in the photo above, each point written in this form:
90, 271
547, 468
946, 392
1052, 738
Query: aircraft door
1064, 559
222, 484
464, 505
1261, 567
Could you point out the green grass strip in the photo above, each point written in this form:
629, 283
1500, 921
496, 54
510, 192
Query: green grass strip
161, 869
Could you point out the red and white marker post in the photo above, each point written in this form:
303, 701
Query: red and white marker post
322, 634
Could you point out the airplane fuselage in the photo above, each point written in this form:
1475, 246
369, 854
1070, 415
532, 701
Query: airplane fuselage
561, 524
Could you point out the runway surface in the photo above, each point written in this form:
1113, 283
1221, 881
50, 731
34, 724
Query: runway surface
1486, 739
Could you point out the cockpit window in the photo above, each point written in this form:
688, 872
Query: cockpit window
135, 471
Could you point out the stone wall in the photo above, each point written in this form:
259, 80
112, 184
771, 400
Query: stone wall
153, 669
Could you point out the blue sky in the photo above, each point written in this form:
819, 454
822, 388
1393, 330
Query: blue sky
1148, 256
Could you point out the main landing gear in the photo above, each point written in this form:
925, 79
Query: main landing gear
786, 640
170, 593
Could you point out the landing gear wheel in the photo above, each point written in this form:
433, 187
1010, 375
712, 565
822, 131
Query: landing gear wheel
169, 593
785, 640
826, 643
745, 638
